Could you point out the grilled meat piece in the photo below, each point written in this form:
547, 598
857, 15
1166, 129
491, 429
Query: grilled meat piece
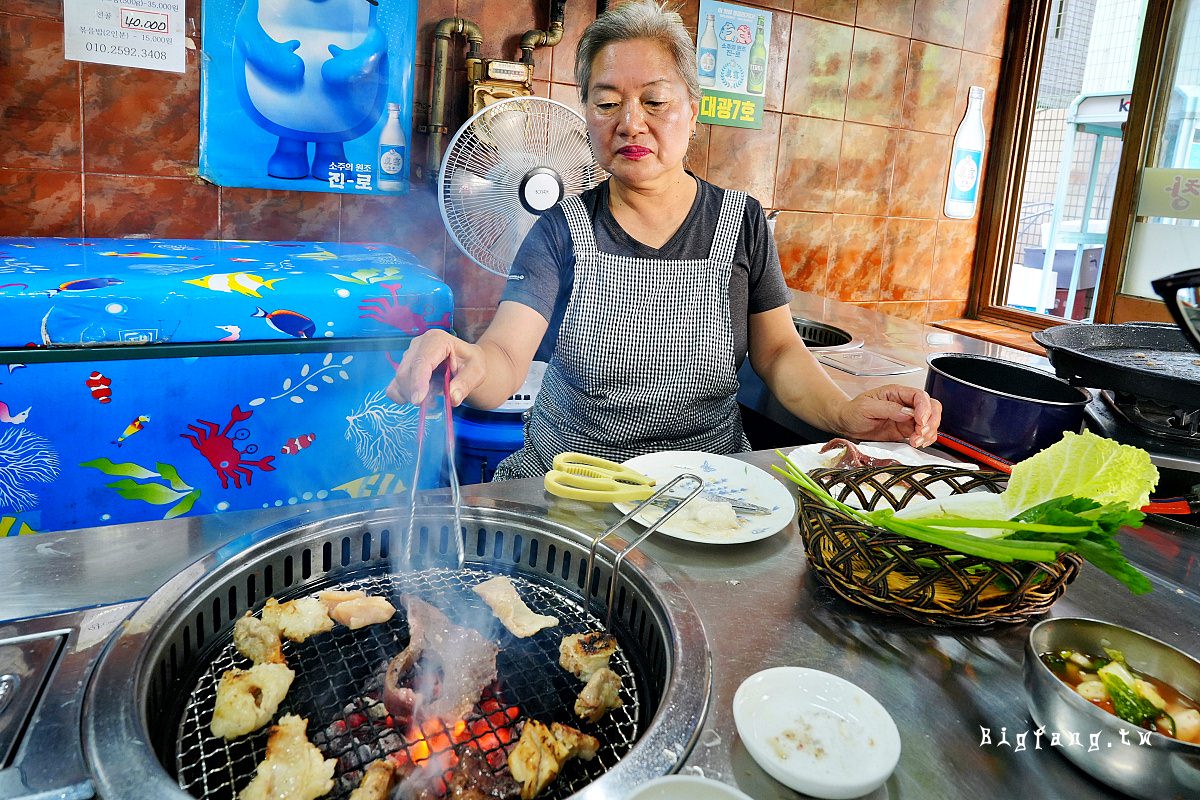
853, 457
248, 698
473, 779
445, 667
501, 596
293, 769
355, 609
581, 654
297, 619
602, 693
541, 752
377, 781
257, 640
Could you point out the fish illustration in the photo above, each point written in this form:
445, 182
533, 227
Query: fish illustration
17, 419
297, 443
115, 254
291, 323
234, 331
7, 285
132, 428
240, 282
99, 385
84, 284
244, 260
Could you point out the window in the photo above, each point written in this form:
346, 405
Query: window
1096, 91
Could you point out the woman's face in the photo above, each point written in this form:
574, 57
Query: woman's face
639, 116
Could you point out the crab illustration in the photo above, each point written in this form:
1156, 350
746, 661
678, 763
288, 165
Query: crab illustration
220, 451
389, 311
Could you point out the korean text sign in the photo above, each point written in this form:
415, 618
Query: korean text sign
310, 95
732, 57
146, 34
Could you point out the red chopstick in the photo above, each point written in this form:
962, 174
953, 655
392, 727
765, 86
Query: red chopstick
974, 453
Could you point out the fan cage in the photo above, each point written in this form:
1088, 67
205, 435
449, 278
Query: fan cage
486, 163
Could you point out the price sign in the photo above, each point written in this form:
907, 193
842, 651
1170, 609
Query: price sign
126, 33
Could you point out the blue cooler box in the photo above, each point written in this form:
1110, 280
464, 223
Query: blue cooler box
149, 379
485, 438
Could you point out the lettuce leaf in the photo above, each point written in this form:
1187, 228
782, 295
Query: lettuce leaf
1081, 465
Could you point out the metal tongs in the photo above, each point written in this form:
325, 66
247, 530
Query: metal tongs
625, 551
456, 541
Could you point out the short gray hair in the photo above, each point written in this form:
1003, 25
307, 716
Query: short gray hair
638, 19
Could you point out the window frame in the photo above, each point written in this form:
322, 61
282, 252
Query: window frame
1028, 27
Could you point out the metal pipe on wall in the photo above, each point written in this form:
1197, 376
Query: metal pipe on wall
548, 38
442, 34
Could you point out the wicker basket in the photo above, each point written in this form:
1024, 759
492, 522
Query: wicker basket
893, 574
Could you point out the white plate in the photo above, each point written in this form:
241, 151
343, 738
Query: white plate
685, 787
810, 457
731, 477
815, 732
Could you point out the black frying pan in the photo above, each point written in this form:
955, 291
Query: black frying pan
1146, 359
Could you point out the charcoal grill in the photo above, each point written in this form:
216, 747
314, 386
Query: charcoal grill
149, 703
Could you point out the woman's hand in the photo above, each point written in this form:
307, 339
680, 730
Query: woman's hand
425, 354
893, 413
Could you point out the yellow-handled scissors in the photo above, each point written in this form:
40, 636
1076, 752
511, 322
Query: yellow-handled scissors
578, 476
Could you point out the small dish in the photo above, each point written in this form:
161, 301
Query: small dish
809, 457
815, 732
685, 787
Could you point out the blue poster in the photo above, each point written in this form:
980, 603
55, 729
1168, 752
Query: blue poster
313, 95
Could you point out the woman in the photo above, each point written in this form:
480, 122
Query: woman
649, 289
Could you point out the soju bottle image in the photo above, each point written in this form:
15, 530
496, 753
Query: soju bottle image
962, 189
758, 62
392, 153
706, 56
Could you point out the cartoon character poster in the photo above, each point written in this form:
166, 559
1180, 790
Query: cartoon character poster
732, 54
314, 95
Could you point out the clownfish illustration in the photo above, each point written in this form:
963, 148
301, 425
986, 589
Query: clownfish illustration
99, 385
132, 428
297, 443
84, 284
17, 419
291, 323
241, 282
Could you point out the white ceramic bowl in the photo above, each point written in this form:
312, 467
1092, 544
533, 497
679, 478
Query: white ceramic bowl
685, 787
815, 732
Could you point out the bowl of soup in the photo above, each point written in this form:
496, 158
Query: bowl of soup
1121, 705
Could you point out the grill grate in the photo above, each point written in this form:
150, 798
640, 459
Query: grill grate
338, 675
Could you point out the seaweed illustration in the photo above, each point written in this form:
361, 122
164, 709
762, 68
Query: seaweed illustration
175, 490
374, 485
368, 275
25, 457
384, 433
308, 379
14, 526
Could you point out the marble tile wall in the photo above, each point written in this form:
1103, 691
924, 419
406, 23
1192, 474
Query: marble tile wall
863, 100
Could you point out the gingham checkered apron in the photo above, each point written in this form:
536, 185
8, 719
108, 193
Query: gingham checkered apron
644, 360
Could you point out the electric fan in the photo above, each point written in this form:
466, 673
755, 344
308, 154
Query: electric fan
507, 165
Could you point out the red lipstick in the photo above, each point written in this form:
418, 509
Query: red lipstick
634, 152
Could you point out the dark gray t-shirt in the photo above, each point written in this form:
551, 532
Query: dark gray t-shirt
543, 272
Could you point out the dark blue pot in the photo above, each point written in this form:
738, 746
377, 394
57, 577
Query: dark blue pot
1008, 409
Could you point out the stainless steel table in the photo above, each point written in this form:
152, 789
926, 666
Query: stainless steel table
760, 609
